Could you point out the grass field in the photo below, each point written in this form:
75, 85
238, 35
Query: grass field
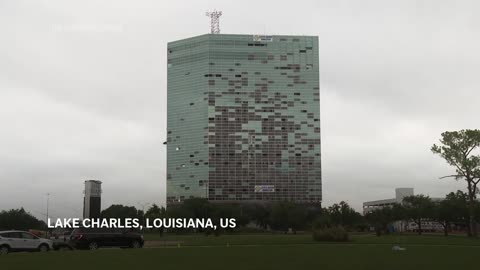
280, 239
266, 252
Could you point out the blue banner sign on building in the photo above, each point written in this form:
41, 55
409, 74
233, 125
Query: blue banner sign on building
265, 188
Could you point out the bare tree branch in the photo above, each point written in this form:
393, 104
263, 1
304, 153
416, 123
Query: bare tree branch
456, 176
458, 168
471, 149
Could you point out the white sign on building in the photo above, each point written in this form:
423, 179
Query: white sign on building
265, 188
263, 38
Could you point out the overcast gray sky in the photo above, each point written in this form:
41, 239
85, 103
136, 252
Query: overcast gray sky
83, 92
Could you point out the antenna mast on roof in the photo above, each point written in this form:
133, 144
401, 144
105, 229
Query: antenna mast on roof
214, 21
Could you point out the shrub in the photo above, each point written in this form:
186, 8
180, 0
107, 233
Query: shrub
335, 234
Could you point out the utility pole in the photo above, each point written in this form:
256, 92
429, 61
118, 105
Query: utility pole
48, 202
143, 205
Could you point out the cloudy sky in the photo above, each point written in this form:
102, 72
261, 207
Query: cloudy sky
83, 92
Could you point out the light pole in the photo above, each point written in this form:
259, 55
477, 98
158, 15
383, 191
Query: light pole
143, 210
143, 205
48, 201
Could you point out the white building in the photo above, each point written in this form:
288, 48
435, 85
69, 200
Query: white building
402, 225
400, 193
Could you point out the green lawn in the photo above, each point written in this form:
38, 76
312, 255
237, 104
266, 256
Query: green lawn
279, 239
336, 257
265, 252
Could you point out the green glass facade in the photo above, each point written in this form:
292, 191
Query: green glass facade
244, 118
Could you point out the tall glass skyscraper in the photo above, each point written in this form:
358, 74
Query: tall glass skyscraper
244, 118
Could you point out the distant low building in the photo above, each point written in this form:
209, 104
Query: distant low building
402, 225
400, 193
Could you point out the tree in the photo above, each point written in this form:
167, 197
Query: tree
341, 214
297, 217
197, 207
418, 208
19, 219
452, 209
398, 212
279, 216
156, 212
458, 149
288, 215
121, 211
240, 212
260, 213
228, 210
323, 220
380, 218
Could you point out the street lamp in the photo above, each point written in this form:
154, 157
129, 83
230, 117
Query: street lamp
48, 202
143, 205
